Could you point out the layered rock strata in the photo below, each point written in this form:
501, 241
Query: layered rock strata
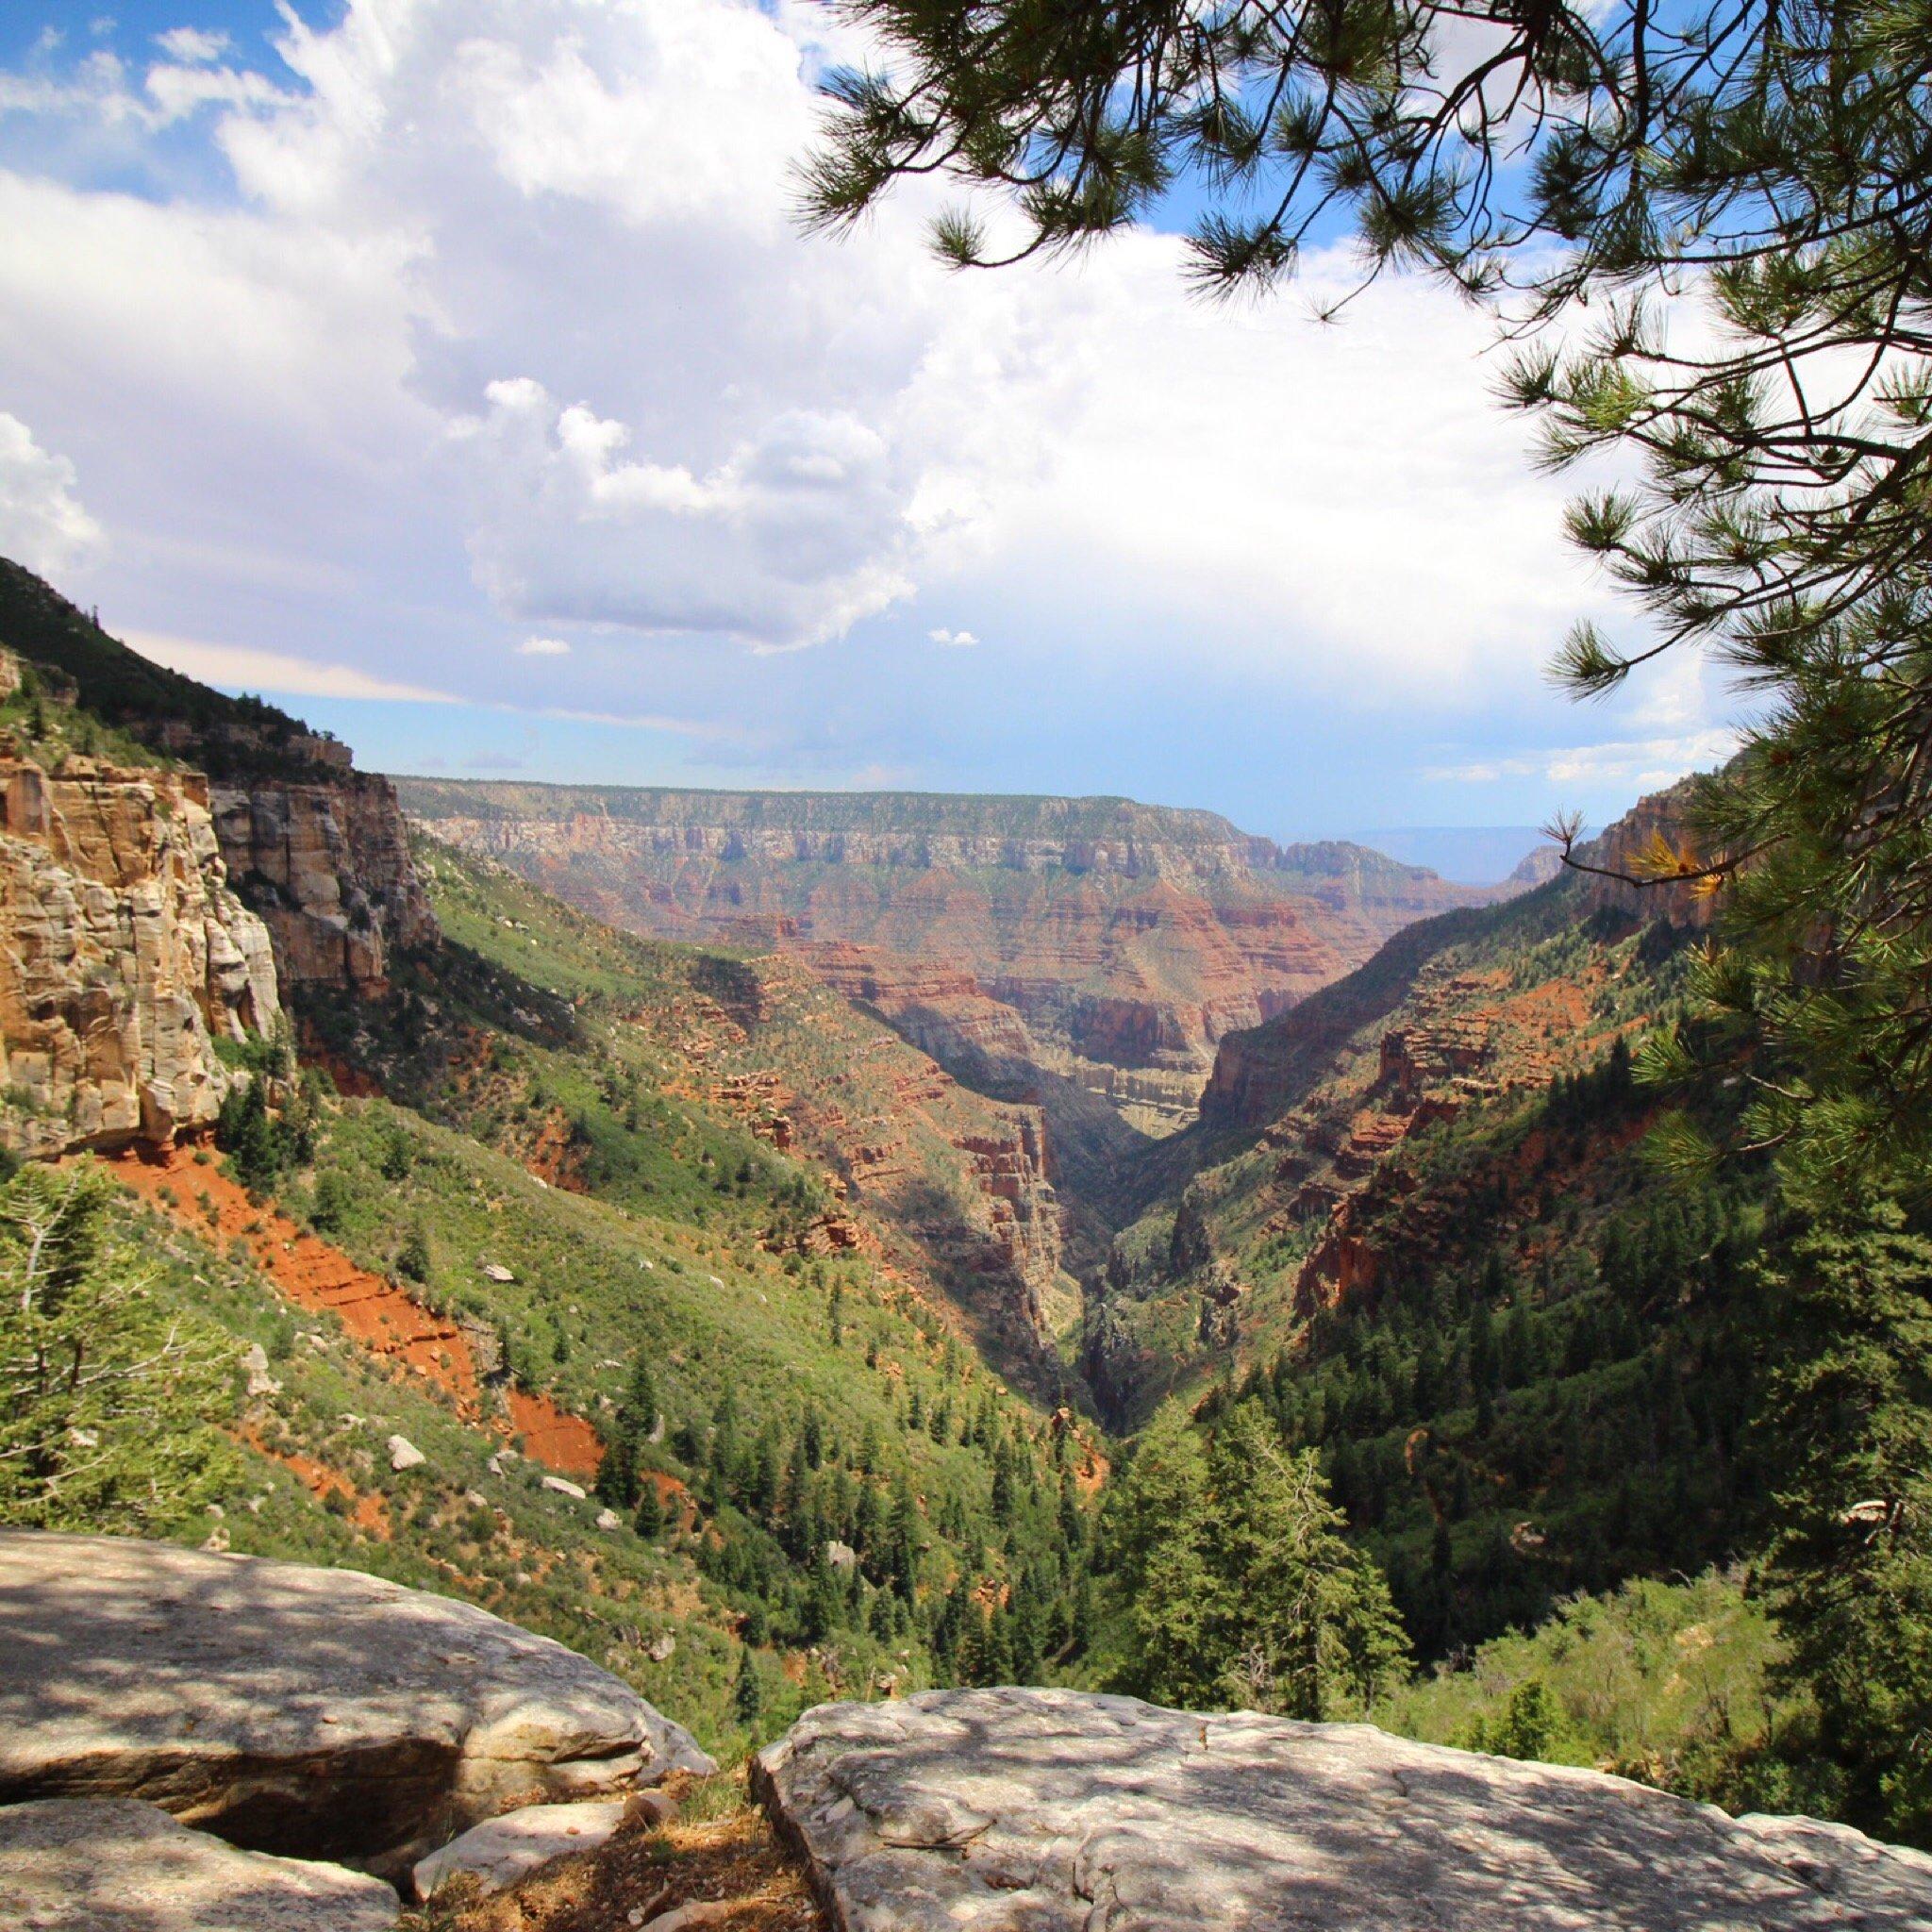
1056, 1811
1107, 942
127, 954
327, 864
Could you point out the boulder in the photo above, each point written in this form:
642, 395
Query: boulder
499, 1851
118, 1865
404, 1454
562, 1485
1064, 1811
319, 1713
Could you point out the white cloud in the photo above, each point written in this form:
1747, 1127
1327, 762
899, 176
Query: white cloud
193, 45
544, 647
246, 667
1642, 764
41, 521
790, 539
504, 310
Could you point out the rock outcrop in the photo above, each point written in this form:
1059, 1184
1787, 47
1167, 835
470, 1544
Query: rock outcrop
1107, 942
500, 1850
127, 955
1639, 857
315, 847
120, 1865
327, 864
1058, 1811
315, 1713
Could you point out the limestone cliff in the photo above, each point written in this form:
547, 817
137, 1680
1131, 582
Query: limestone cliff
127, 954
327, 864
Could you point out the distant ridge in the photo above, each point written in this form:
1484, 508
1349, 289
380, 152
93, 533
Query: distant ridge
1023, 939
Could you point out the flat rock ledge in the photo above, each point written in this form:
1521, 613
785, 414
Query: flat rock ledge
117, 1865
1058, 1811
316, 1713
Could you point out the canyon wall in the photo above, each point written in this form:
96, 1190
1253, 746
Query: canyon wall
127, 956
317, 848
326, 862
1108, 943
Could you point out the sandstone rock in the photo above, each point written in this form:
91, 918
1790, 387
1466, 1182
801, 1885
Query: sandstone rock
661, 1648
327, 864
840, 1555
609, 1519
404, 1454
119, 1865
696, 1912
314, 1712
499, 1852
1059, 1811
564, 1486
127, 957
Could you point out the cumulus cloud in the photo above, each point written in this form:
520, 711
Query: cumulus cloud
956, 639
41, 521
544, 647
790, 539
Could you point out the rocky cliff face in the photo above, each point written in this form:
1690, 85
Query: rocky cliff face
1650, 842
1109, 943
127, 954
314, 846
327, 864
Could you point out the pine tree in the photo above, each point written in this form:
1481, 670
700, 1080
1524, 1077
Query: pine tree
1850, 1570
650, 1519
108, 1400
748, 1694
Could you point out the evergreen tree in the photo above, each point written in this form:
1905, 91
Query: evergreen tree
748, 1694
108, 1402
650, 1520
1850, 1571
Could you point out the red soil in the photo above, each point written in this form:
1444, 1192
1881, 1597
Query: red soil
564, 1443
383, 1318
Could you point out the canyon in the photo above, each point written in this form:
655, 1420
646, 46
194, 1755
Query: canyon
1044, 947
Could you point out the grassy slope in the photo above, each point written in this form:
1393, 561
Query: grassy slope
663, 1254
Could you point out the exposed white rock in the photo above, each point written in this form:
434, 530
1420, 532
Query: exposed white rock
661, 1648
499, 1851
255, 1366
1062, 1811
495, 1270
404, 1454
609, 1519
309, 1711
119, 1865
564, 1486
840, 1555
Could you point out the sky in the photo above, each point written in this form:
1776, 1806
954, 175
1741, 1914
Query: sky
455, 373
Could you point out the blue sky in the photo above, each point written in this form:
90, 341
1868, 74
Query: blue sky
453, 371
